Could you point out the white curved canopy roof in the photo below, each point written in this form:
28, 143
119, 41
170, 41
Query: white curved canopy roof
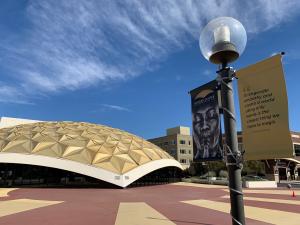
102, 152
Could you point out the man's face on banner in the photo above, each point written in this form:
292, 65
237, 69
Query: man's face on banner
206, 126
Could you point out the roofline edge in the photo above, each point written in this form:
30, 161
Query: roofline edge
121, 180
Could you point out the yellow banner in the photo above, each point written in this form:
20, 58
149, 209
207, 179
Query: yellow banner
264, 110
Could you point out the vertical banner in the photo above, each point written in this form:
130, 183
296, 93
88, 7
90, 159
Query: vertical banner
206, 123
264, 110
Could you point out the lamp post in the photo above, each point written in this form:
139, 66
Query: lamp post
222, 41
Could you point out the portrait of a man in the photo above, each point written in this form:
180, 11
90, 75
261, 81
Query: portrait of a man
206, 125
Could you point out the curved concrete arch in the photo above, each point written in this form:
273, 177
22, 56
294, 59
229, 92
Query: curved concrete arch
120, 180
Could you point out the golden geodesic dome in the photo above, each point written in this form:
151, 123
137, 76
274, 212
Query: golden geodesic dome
99, 146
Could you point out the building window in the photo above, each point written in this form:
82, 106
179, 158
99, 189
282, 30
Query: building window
173, 142
189, 142
297, 149
182, 142
190, 152
173, 152
240, 147
182, 151
183, 161
166, 143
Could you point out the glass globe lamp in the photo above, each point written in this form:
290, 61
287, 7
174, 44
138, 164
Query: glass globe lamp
223, 40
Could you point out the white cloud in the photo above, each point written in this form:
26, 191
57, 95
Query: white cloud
178, 78
73, 44
10, 94
115, 107
208, 73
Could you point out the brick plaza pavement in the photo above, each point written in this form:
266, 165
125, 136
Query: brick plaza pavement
180, 203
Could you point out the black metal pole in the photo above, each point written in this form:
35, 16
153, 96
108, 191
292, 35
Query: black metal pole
233, 163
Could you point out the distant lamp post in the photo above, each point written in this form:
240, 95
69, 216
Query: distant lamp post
222, 41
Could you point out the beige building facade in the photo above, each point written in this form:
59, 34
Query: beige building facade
178, 142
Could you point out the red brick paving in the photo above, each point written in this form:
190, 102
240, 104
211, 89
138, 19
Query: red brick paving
100, 206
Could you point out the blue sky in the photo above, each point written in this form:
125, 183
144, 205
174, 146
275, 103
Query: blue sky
129, 64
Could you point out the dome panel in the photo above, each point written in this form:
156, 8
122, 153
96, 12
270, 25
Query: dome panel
43, 146
139, 156
108, 165
72, 150
107, 148
100, 157
81, 155
94, 145
53, 150
17, 146
151, 153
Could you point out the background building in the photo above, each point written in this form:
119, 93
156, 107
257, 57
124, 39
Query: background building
296, 143
281, 169
178, 142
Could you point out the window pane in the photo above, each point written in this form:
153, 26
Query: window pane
297, 149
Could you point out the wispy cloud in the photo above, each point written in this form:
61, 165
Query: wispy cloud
208, 73
73, 44
10, 94
178, 78
292, 55
114, 107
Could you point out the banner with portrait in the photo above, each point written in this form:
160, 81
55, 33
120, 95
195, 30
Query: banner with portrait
207, 135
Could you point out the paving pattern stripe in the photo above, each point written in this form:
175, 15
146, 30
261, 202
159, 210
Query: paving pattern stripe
269, 192
276, 217
140, 213
4, 191
198, 185
21, 205
280, 201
